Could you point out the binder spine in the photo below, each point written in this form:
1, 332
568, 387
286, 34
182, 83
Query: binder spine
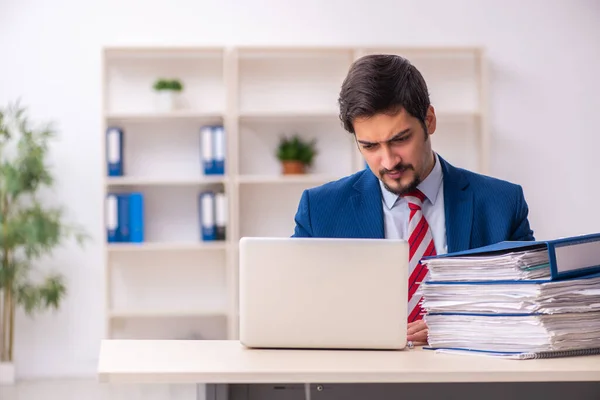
123, 216
552, 260
136, 217
219, 150
220, 216
112, 218
207, 148
574, 256
114, 151
208, 230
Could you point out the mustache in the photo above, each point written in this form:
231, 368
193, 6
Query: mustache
397, 168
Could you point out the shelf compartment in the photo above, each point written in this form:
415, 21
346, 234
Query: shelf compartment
130, 77
451, 74
290, 81
162, 148
168, 326
465, 131
261, 139
269, 211
171, 215
159, 284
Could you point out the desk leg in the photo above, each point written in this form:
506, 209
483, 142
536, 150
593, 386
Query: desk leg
212, 392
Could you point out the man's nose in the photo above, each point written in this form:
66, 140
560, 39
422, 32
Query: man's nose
388, 159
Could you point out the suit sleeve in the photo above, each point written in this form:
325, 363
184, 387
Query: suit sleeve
302, 219
521, 229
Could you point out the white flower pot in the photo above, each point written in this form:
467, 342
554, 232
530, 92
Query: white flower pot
7, 373
167, 100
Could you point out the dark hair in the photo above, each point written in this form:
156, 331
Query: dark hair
382, 83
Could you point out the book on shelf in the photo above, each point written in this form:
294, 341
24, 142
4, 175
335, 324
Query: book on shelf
125, 217
521, 300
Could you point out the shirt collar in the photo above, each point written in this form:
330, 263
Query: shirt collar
430, 186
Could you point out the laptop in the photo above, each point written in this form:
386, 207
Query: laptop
323, 293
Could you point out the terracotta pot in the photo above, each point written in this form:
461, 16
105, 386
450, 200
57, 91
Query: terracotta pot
293, 167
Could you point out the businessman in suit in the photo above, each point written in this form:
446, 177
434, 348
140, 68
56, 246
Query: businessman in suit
408, 190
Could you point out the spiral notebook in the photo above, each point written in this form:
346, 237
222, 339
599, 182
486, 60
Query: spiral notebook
520, 355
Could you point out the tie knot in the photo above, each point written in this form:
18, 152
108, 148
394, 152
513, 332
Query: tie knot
415, 199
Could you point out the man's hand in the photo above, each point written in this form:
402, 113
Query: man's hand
417, 333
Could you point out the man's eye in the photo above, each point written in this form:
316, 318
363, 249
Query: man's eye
368, 146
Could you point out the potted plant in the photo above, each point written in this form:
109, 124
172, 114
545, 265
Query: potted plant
29, 227
296, 154
168, 91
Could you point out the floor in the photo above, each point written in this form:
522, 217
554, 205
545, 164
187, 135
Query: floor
89, 389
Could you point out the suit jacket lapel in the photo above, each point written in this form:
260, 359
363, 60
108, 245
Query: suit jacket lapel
366, 207
458, 207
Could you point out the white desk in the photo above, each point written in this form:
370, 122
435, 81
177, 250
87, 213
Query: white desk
228, 362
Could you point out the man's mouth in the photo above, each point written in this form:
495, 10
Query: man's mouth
396, 174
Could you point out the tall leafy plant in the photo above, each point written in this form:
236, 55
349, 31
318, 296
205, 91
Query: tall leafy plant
29, 228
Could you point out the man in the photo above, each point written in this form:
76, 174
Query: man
408, 191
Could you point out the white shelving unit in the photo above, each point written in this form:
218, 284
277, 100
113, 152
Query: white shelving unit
176, 286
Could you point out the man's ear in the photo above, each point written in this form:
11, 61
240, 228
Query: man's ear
430, 120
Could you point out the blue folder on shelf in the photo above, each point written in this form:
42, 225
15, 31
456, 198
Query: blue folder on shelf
213, 149
112, 218
136, 217
206, 205
114, 151
125, 217
567, 257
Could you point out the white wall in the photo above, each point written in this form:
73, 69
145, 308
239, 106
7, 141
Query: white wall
544, 101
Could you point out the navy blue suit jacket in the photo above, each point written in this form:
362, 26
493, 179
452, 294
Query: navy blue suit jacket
480, 210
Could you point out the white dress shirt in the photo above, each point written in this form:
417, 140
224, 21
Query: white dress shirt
396, 212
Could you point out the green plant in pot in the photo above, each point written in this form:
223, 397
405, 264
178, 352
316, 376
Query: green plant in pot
168, 91
296, 154
30, 228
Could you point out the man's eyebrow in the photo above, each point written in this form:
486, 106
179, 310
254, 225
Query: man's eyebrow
396, 136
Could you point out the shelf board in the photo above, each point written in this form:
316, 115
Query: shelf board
162, 52
165, 181
259, 116
165, 246
167, 313
288, 115
182, 115
282, 179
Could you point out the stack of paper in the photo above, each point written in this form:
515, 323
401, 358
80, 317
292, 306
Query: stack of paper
515, 300
515, 333
529, 264
573, 295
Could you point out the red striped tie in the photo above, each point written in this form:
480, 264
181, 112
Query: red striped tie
420, 242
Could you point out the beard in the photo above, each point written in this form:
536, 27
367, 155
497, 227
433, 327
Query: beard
401, 190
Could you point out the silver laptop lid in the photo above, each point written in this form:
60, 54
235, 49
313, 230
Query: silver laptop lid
323, 292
